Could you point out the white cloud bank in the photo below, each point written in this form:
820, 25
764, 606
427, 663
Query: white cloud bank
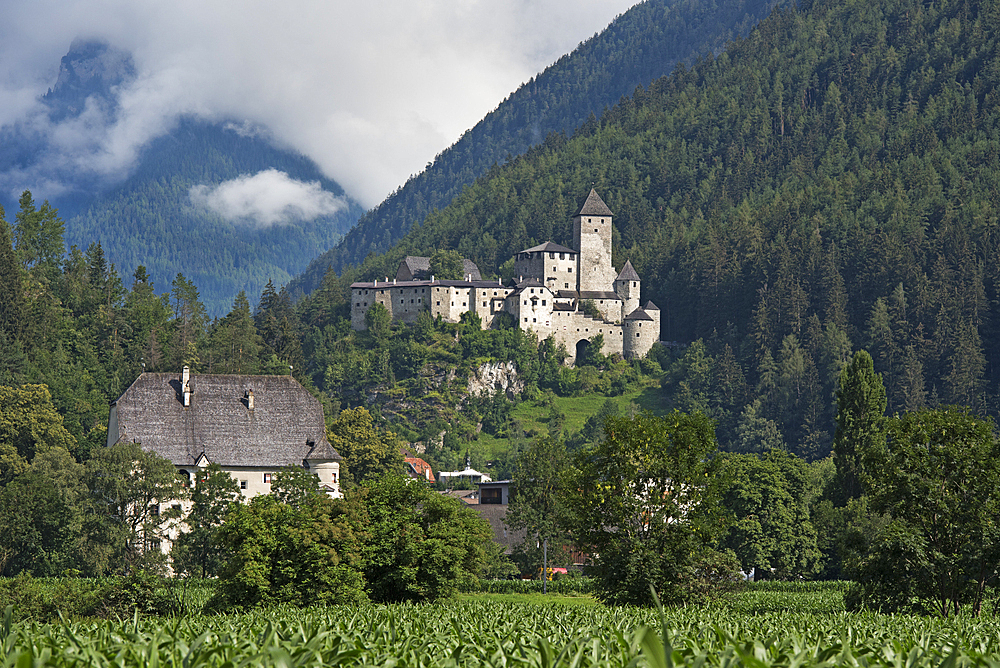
372, 91
266, 198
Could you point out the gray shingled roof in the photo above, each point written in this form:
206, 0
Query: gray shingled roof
594, 206
285, 428
628, 272
549, 247
650, 306
638, 314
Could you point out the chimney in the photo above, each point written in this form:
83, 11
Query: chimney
186, 385
250, 399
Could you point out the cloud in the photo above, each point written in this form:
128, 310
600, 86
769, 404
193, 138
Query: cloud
371, 91
266, 198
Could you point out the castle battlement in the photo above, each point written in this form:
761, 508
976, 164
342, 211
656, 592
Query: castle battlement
553, 282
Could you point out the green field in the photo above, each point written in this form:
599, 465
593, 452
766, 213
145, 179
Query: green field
763, 626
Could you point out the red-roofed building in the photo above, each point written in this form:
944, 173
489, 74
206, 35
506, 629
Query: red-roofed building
418, 468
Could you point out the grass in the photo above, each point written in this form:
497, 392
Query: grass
534, 417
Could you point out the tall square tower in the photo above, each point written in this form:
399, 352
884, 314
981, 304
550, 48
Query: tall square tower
592, 236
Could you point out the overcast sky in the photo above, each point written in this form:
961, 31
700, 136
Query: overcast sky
371, 90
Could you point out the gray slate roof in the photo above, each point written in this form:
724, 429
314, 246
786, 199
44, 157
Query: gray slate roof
594, 206
650, 306
638, 314
285, 428
628, 272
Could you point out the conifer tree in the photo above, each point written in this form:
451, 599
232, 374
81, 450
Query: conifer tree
860, 411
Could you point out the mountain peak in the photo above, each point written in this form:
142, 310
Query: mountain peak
90, 68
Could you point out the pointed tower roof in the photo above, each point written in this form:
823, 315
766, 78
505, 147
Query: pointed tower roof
638, 314
594, 206
628, 273
650, 306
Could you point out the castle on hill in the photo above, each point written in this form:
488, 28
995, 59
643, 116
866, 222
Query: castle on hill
553, 282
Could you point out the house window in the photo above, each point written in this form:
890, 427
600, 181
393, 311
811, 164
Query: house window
176, 506
154, 510
243, 484
267, 478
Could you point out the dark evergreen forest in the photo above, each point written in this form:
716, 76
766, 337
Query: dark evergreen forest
644, 43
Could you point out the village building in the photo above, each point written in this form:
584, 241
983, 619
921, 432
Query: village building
554, 286
251, 426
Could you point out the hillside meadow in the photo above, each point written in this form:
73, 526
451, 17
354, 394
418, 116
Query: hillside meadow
767, 624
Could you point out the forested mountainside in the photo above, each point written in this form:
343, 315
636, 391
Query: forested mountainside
149, 218
828, 183
644, 43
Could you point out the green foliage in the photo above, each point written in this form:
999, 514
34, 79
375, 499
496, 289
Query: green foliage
860, 415
197, 551
368, 450
770, 531
127, 486
446, 265
423, 546
280, 553
937, 476
536, 502
29, 424
646, 499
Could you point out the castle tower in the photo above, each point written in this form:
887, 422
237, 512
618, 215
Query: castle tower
592, 236
627, 289
639, 333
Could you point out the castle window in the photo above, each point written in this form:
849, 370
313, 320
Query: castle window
637, 334
633, 284
595, 229
570, 270
566, 285
463, 303
411, 301
243, 484
484, 304
366, 304
439, 303
552, 256
534, 320
543, 302
555, 268
526, 320
267, 478
562, 256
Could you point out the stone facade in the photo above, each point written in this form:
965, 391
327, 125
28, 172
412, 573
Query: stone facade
552, 284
